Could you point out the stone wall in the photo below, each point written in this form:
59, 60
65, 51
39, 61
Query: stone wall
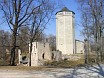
73, 57
79, 47
65, 38
40, 53
56, 55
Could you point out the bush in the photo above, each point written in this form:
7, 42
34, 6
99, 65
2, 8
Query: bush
3, 63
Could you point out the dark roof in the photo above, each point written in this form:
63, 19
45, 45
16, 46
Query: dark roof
65, 9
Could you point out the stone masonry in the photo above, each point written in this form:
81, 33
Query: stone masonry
65, 38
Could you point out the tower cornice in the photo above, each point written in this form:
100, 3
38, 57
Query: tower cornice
65, 9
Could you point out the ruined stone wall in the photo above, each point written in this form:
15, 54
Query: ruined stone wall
40, 53
56, 55
79, 46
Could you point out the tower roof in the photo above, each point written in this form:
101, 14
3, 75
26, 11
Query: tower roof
65, 9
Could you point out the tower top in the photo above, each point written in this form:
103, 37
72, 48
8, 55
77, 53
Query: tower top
65, 9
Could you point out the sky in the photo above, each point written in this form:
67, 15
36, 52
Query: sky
73, 6
51, 26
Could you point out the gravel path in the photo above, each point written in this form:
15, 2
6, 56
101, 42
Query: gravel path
82, 72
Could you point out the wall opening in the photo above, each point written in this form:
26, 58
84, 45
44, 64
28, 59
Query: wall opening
52, 56
43, 55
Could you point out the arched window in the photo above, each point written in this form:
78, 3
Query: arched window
43, 55
52, 56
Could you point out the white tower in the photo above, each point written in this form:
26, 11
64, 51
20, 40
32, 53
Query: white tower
65, 38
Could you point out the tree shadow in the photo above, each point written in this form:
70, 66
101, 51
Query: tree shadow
71, 74
82, 72
96, 68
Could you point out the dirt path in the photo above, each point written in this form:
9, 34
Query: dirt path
82, 72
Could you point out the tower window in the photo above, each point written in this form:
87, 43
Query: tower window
34, 48
43, 55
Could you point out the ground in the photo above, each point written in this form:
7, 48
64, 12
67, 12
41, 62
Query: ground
95, 71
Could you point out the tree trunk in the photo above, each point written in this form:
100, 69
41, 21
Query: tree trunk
30, 53
86, 51
12, 59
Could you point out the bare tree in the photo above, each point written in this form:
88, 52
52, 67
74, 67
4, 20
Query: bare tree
52, 41
94, 11
4, 44
38, 23
16, 13
23, 39
86, 32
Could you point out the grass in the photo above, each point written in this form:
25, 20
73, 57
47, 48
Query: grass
24, 68
48, 65
65, 63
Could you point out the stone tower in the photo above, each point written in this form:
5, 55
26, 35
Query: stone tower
65, 38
